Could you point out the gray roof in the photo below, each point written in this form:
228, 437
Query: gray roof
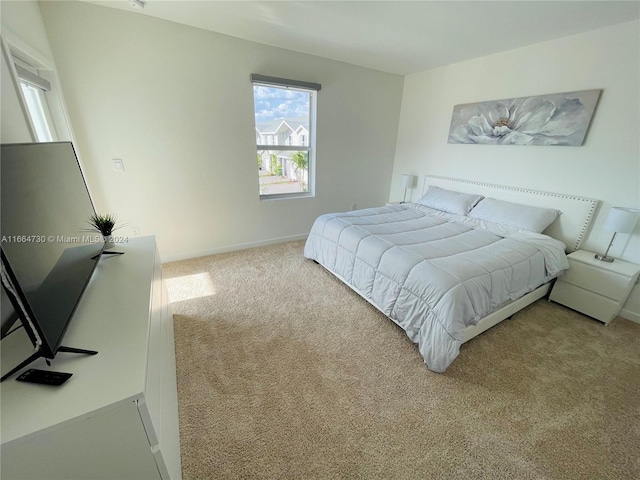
272, 125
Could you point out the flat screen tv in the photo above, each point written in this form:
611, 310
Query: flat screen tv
48, 256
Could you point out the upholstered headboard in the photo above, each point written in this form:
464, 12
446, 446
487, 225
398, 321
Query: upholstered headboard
570, 227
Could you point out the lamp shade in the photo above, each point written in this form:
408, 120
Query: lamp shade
621, 219
407, 181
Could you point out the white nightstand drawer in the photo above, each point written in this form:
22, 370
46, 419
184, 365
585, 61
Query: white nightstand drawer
609, 284
589, 303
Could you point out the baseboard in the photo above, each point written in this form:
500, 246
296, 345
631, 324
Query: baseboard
232, 248
629, 315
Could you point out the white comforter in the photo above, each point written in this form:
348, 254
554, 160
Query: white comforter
432, 273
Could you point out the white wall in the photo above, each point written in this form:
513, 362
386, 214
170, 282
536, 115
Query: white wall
175, 103
23, 18
606, 167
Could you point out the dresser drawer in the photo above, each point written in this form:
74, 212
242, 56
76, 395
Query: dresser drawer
609, 284
584, 301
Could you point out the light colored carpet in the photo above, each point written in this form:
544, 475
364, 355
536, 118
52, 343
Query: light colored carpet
283, 372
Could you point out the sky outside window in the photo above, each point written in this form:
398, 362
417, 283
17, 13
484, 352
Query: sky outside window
279, 104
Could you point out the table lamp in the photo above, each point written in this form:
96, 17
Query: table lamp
619, 220
407, 182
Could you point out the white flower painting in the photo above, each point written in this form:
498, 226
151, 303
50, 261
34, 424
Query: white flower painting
556, 119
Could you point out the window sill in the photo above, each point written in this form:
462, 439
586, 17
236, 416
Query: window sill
287, 196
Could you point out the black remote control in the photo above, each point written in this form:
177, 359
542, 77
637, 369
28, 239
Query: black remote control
45, 377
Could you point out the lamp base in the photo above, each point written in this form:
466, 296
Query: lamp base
603, 258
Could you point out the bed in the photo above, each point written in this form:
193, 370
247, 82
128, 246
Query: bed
462, 258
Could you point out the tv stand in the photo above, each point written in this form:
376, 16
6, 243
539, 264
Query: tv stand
117, 417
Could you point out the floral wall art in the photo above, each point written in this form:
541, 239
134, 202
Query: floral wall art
556, 119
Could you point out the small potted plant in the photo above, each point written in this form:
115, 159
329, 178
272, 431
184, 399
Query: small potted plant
105, 224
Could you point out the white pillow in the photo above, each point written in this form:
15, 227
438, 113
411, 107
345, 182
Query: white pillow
449, 201
524, 217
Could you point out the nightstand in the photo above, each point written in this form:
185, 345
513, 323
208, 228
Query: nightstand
595, 288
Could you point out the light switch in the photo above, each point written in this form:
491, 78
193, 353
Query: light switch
118, 164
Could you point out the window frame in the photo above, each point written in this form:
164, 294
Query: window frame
41, 74
33, 90
312, 89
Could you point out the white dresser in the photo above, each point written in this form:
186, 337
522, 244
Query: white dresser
595, 288
117, 416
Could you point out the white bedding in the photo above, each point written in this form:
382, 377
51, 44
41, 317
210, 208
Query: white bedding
431, 272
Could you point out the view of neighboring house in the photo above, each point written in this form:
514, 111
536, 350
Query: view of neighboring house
279, 163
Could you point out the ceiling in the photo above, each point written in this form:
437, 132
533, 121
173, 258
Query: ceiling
400, 37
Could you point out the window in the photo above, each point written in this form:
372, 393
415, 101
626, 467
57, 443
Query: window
285, 136
35, 105
33, 88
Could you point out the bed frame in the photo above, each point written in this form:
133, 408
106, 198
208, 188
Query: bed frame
570, 227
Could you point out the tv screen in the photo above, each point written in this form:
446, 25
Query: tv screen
48, 255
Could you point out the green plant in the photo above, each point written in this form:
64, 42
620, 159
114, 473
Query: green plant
300, 161
276, 168
105, 224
